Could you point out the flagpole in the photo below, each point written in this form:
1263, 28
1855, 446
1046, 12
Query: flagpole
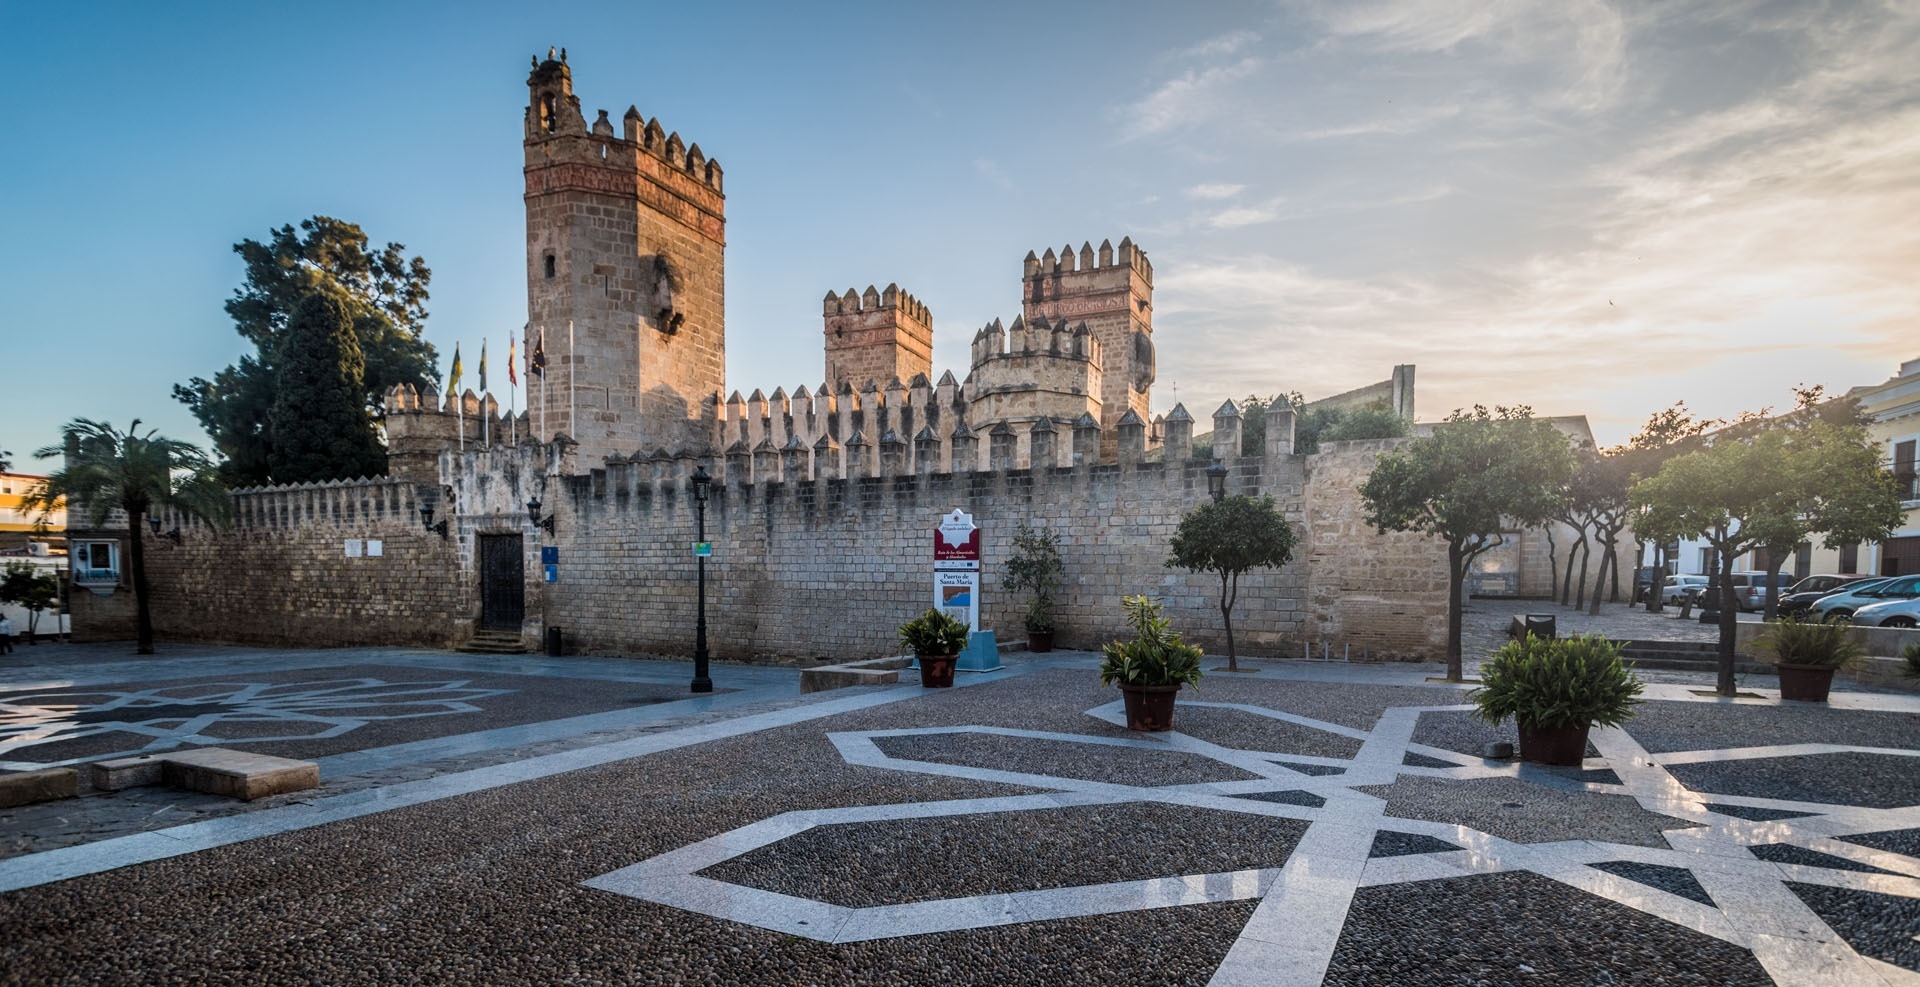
573, 367
513, 399
486, 435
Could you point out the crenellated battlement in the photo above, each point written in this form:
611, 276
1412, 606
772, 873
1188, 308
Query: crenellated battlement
854, 303
1088, 259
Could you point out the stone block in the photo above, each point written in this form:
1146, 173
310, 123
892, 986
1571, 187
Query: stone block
883, 671
238, 774
127, 772
28, 787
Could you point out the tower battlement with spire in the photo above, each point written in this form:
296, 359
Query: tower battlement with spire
626, 244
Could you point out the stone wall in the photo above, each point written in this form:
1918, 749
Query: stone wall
1384, 594
281, 574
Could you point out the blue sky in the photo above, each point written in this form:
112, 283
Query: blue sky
1591, 208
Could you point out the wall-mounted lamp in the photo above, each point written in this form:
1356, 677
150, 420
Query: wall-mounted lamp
1217, 481
172, 535
426, 520
533, 514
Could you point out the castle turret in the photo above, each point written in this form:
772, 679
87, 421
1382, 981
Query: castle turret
878, 336
1035, 372
1112, 292
626, 242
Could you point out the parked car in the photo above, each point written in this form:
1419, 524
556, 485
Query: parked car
1840, 606
1808, 591
1891, 613
1828, 582
1749, 590
1644, 579
1678, 588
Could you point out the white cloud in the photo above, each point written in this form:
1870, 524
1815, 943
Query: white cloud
1215, 190
992, 171
1188, 100
1220, 46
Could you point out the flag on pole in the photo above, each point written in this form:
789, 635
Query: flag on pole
512, 381
483, 366
459, 406
537, 360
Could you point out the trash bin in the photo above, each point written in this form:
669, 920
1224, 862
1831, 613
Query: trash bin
553, 642
1542, 625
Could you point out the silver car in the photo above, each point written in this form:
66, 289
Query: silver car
1890, 613
1678, 588
1840, 606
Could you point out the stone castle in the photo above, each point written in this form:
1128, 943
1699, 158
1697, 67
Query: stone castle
823, 498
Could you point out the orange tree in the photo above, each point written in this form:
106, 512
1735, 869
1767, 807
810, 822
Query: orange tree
1478, 474
1236, 535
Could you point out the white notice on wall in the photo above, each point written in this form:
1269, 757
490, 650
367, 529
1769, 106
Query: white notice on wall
375, 548
353, 548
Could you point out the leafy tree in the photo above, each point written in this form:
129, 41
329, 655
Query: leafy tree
1236, 535
318, 418
1668, 433
24, 584
1035, 565
1479, 473
107, 469
385, 294
1772, 482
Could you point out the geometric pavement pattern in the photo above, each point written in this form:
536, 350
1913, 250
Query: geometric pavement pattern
221, 713
1715, 882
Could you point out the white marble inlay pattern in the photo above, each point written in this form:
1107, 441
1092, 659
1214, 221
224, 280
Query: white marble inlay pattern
176, 715
1293, 934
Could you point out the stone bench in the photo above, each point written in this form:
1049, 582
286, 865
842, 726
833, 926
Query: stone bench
877, 671
27, 787
214, 770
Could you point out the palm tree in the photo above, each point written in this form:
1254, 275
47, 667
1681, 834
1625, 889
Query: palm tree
107, 469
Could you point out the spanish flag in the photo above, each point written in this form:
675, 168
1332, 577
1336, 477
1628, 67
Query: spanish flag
512, 380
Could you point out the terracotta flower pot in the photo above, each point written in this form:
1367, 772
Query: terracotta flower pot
1040, 641
1554, 745
1149, 707
936, 671
1805, 683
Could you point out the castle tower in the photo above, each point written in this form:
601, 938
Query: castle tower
626, 242
1113, 294
879, 336
1034, 372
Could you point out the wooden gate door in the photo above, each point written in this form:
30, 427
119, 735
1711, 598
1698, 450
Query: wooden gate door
502, 582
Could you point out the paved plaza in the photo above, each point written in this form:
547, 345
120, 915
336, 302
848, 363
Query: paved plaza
518, 819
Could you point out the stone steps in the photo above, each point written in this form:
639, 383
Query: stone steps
1685, 656
494, 643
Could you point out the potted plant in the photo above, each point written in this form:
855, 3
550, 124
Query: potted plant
1556, 690
1035, 565
936, 641
1151, 668
1806, 655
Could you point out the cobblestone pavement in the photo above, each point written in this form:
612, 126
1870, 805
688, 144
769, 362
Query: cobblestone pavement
1315, 823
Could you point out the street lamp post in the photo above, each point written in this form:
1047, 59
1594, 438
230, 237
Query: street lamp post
1217, 481
701, 681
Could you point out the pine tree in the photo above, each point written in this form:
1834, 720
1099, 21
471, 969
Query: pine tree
386, 294
319, 421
